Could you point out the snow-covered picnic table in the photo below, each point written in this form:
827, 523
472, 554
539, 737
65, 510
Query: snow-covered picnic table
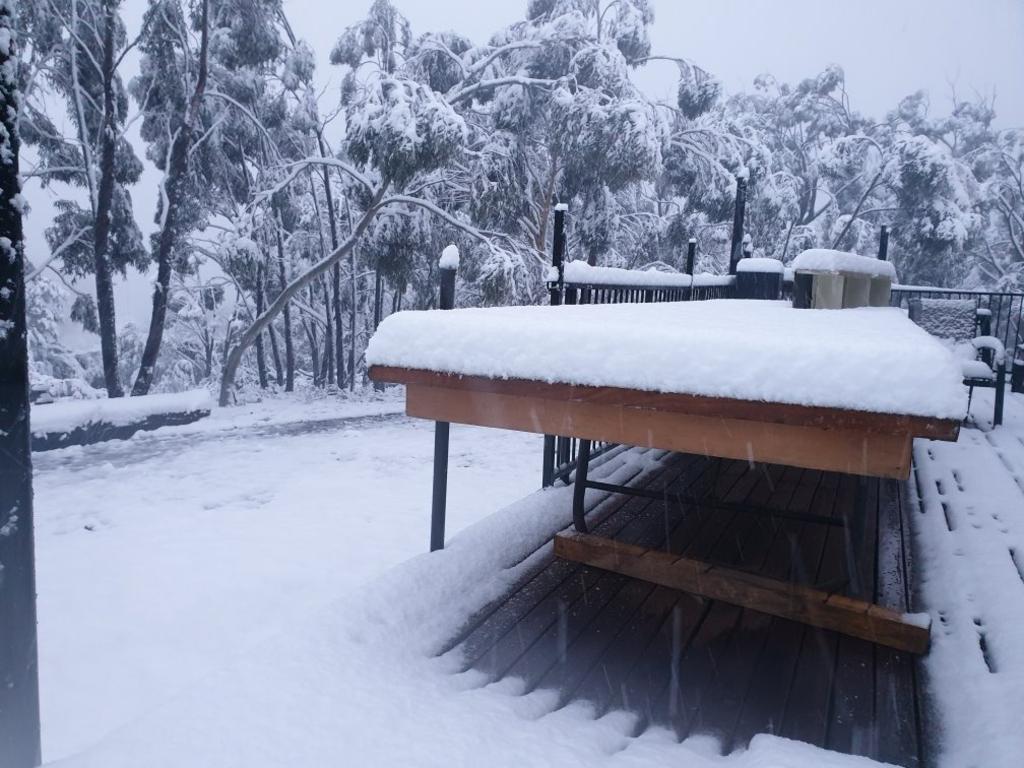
834, 390
870, 359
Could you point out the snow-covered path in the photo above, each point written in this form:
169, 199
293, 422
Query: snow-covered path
162, 557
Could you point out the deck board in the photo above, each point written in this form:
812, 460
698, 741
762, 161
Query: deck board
700, 666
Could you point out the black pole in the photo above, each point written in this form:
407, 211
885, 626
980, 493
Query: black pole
547, 475
691, 254
439, 501
736, 251
883, 243
558, 252
19, 661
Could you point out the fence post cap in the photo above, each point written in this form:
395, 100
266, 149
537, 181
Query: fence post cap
562, 207
449, 257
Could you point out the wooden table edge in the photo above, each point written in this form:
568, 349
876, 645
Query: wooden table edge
696, 405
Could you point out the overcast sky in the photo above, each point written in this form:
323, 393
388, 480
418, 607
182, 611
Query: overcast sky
888, 48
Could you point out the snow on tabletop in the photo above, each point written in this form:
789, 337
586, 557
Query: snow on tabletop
760, 265
580, 272
449, 258
825, 260
63, 417
869, 359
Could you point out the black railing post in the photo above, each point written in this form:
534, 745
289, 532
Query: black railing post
449, 266
558, 253
19, 665
547, 476
736, 250
883, 243
691, 255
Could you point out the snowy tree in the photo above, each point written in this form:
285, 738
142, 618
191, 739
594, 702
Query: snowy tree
172, 88
77, 47
1001, 174
937, 217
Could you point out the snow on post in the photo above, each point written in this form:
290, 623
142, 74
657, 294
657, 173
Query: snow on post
739, 213
449, 263
449, 258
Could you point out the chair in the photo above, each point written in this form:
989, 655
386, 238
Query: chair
983, 358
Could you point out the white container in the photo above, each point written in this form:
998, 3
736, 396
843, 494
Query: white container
856, 290
828, 291
881, 292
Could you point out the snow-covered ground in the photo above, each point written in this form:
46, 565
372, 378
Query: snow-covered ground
969, 538
164, 557
251, 591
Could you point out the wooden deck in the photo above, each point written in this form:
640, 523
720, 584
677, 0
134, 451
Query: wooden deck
699, 666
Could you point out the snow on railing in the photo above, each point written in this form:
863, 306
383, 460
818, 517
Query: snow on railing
580, 273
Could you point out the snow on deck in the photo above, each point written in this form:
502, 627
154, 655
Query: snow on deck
357, 682
969, 537
869, 359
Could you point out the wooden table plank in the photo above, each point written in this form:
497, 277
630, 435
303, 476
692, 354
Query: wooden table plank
810, 606
696, 405
852, 450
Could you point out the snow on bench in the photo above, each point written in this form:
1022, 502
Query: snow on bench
825, 260
868, 359
82, 422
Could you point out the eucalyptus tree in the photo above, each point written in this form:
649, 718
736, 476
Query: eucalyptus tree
76, 50
435, 125
1001, 262
171, 89
937, 205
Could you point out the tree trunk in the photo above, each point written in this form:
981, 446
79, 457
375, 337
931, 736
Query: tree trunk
289, 347
352, 323
378, 300
261, 355
328, 375
104, 203
174, 178
309, 326
314, 350
336, 271
261, 322
19, 666
276, 354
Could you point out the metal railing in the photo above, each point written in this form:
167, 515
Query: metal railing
1006, 308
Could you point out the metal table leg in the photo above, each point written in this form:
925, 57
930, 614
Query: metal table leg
856, 531
579, 490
